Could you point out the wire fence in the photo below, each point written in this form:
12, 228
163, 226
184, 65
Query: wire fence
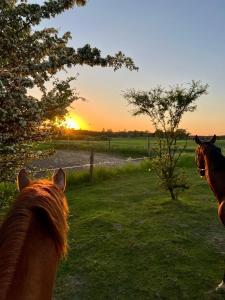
89, 165
141, 146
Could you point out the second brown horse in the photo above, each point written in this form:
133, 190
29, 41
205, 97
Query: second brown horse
211, 164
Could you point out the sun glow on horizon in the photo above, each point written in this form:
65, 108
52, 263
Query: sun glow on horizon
73, 121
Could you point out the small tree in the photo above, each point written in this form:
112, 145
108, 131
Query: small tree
165, 109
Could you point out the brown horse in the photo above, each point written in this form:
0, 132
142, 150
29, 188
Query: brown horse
211, 164
33, 238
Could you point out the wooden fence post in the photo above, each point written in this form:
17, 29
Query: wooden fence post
91, 164
148, 145
109, 143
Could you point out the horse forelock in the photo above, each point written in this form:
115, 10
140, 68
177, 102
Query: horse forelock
41, 196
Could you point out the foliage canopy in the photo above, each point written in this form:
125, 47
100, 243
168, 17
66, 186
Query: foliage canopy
29, 58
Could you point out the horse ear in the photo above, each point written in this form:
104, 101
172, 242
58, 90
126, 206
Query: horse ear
22, 180
59, 178
213, 139
197, 140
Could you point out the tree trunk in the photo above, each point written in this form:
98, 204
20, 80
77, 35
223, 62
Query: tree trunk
173, 196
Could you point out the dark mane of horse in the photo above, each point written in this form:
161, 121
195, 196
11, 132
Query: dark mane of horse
43, 200
217, 157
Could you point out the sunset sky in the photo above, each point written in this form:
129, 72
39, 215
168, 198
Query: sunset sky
172, 42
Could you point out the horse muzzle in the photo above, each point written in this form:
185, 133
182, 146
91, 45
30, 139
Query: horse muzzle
202, 172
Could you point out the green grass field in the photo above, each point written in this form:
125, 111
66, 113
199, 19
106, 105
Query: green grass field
128, 240
123, 146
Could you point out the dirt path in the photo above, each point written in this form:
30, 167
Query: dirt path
76, 160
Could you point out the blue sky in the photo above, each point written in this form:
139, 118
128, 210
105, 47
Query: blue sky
172, 42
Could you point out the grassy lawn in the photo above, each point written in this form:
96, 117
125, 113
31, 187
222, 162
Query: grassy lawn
129, 241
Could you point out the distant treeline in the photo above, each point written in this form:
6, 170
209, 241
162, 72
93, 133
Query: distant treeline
74, 134
80, 134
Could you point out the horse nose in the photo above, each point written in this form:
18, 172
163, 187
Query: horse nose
202, 173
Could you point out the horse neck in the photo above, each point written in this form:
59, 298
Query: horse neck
214, 179
34, 273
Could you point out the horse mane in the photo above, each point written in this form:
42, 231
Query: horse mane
217, 157
43, 200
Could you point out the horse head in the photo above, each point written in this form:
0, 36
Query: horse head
201, 151
33, 238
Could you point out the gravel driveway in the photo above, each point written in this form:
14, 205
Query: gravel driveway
75, 160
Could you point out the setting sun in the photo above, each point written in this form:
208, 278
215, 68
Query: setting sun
71, 123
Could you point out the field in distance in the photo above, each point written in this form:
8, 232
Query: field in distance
134, 147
